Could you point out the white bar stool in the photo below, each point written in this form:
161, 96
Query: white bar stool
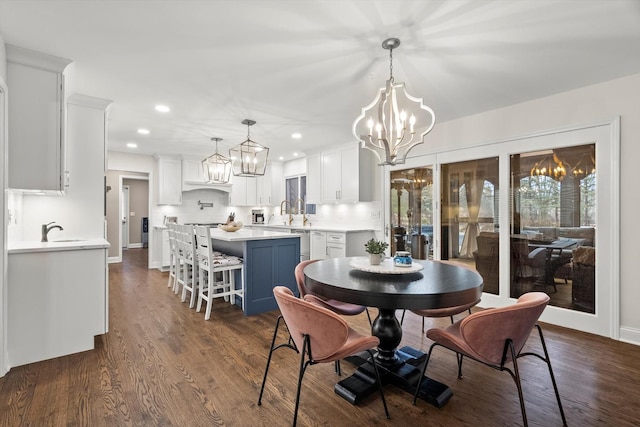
188, 278
173, 255
211, 262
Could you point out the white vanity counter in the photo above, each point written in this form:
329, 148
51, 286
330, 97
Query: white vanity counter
60, 245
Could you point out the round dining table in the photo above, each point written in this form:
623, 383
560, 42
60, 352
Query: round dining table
427, 285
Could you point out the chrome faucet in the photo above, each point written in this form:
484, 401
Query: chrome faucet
283, 210
46, 228
300, 209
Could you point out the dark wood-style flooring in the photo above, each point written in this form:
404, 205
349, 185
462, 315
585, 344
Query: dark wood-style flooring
161, 364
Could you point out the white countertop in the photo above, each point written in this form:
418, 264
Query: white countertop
336, 228
61, 245
249, 234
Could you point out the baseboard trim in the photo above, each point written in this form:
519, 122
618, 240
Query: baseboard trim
630, 335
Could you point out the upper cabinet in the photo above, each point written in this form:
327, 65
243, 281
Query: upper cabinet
243, 191
193, 177
37, 120
169, 181
314, 178
269, 186
344, 175
265, 190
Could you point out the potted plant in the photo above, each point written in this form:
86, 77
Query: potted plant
375, 249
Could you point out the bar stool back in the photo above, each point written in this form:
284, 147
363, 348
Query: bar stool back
211, 264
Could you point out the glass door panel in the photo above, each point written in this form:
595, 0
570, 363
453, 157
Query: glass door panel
469, 217
553, 225
411, 202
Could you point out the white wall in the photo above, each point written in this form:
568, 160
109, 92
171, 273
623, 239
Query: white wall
592, 104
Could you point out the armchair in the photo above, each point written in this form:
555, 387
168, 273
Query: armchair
495, 337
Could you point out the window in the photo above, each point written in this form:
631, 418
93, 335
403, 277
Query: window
296, 190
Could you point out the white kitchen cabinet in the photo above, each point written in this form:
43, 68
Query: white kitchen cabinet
318, 245
314, 178
192, 171
338, 244
193, 177
348, 175
169, 181
37, 120
166, 250
269, 186
243, 191
59, 302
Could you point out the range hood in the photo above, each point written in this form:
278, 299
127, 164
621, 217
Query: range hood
199, 185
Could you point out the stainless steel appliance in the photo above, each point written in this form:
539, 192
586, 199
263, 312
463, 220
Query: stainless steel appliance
257, 216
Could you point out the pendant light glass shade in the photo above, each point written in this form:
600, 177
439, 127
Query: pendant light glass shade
393, 119
216, 168
249, 158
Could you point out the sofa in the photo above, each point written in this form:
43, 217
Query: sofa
584, 236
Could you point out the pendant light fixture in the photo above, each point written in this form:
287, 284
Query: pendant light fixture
217, 168
393, 118
249, 158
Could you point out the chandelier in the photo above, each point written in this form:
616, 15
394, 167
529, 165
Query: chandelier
217, 168
549, 166
249, 158
392, 133
586, 166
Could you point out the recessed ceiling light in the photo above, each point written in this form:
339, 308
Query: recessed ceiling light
295, 154
281, 158
144, 131
132, 145
162, 108
296, 135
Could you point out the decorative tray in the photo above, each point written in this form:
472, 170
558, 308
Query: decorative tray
385, 267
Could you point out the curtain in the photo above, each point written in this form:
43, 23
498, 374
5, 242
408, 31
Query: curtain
473, 191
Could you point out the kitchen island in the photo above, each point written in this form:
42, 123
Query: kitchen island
270, 258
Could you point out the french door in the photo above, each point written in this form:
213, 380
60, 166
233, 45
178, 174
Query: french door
490, 210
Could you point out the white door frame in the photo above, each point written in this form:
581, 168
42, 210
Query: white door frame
120, 185
606, 136
125, 217
4, 358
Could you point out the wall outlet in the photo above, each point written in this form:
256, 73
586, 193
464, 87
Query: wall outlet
375, 214
132, 214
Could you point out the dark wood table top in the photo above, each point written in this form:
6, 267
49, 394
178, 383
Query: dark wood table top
438, 285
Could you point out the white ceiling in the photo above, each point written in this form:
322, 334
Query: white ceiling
309, 66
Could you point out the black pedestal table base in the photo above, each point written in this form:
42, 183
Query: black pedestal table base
404, 374
398, 367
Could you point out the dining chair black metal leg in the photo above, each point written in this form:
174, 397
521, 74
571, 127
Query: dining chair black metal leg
379, 380
303, 368
288, 344
368, 317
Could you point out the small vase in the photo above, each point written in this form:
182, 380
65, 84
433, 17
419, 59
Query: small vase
375, 259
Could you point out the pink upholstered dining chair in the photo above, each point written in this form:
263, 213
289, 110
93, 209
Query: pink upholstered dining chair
442, 312
320, 336
339, 307
495, 337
